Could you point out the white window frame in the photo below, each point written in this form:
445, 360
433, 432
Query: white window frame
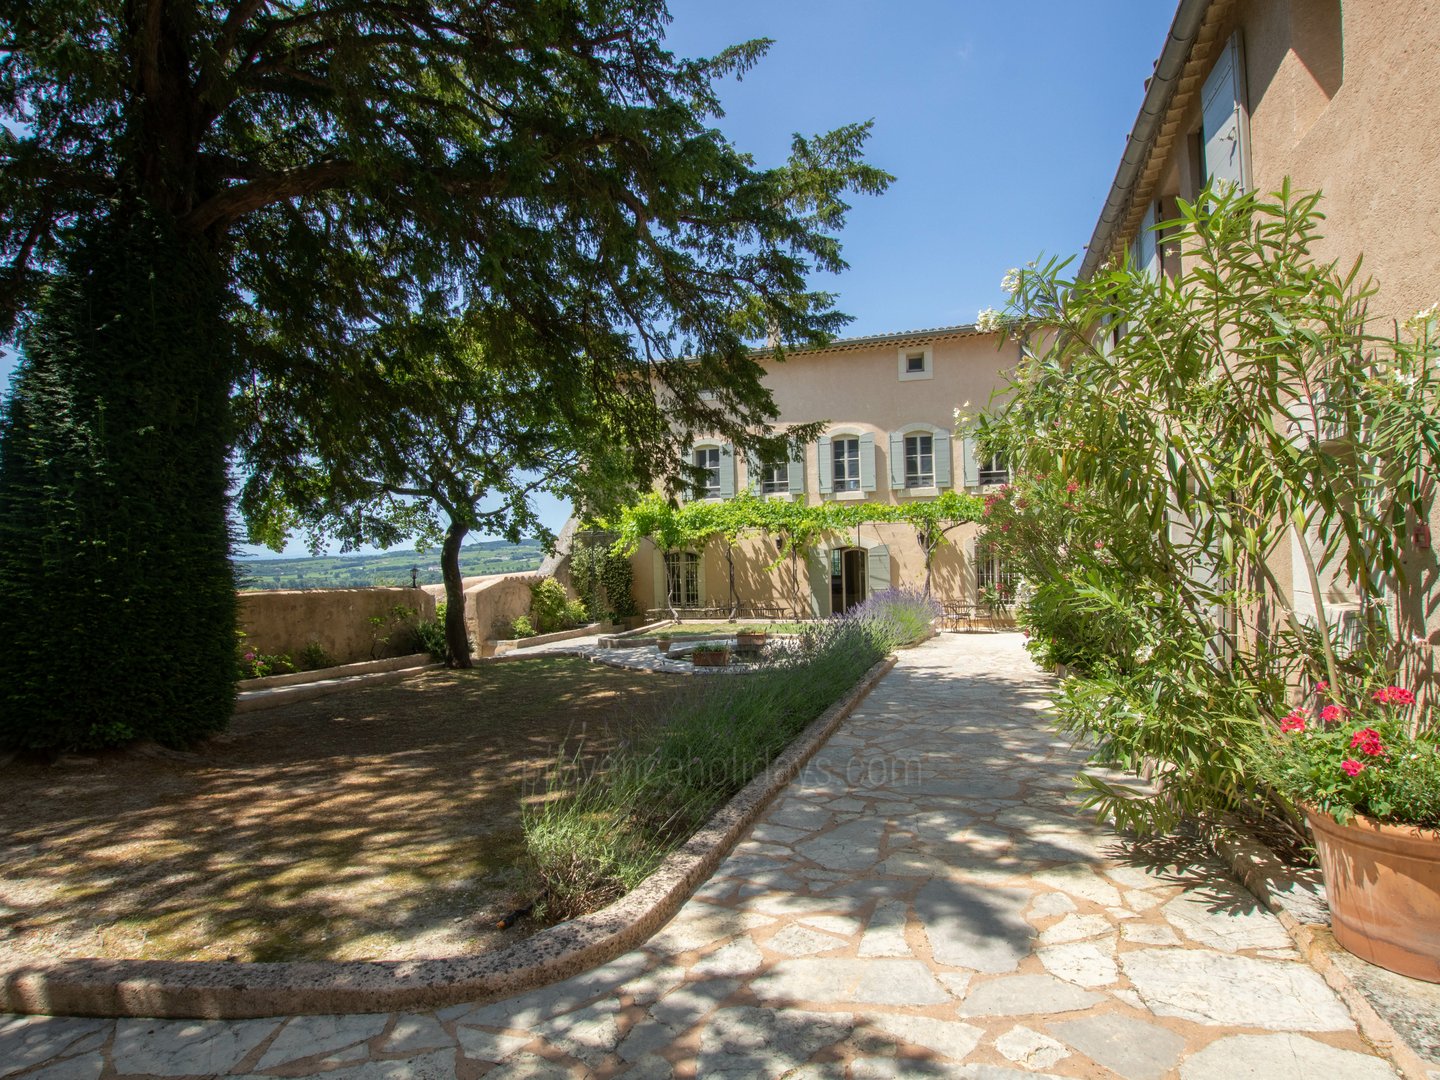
917, 478
685, 565
775, 478
852, 460
713, 489
988, 473
927, 369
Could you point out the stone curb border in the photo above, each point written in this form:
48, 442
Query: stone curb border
221, 990
1260, 870
276, 696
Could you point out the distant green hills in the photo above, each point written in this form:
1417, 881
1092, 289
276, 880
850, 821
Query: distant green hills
390, 568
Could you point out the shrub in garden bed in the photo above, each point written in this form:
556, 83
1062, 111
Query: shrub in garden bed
601, 829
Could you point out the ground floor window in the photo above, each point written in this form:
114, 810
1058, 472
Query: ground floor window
682, 578
994, 583
994, 470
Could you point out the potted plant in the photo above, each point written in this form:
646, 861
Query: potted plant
1365, 769
710, 655
662, 642
750, 642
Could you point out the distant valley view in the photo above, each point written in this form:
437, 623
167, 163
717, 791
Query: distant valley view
389, 568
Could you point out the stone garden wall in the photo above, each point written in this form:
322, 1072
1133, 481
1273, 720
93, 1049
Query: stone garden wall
286, 620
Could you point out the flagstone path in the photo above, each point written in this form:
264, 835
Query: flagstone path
924, 900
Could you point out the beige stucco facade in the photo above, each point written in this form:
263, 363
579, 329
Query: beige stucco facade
1339, 98
875, 390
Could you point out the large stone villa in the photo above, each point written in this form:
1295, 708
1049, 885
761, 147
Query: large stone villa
1250, 91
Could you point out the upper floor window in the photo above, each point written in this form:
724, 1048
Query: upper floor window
846, 451
994, 469
775, 479
708, 458
919, 460
915, 364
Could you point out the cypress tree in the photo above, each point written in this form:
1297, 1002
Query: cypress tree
117, 597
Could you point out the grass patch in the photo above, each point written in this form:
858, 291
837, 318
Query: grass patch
599, 827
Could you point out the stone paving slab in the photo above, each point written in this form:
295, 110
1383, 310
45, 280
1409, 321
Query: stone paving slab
924, 899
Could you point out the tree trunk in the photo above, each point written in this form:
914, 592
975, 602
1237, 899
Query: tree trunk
734, 600
457, 636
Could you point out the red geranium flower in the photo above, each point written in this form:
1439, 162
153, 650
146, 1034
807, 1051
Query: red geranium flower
1294, 722
1331, 713
1367, 741
1352, 767
1394, 695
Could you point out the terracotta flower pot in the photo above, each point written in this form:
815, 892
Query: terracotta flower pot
1383, 884
710, 657
663, 644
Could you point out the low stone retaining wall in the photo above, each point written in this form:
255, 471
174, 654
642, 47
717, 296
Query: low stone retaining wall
218, 990
365, 667
506, 645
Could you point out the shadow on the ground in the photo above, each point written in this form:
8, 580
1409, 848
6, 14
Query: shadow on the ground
380, 821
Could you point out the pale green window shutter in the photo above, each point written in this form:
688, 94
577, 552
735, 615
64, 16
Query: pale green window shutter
795, 473
1222, 118
1147, 245
727, 471
897, 460
942, 458
968, 463
867, 462
825, 459
752, 472
817, 568
877, 564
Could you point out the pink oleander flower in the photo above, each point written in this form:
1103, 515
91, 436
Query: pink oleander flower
1321, 686
1367, 741
1334, 713
1294, 722
1352, 767
1394, 695
1072, 487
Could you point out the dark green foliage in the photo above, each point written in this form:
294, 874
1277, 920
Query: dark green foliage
117, 603
547, 606
313, 657
432, 638
445, 237
604, 579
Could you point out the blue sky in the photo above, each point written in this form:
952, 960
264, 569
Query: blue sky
1002, 123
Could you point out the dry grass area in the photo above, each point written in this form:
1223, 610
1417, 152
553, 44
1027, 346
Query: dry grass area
376, 823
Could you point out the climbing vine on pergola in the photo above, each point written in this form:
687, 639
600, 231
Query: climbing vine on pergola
795, 527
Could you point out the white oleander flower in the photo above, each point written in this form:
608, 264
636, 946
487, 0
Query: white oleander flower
1144, 653
1011, 281
987, 320
1422, 318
